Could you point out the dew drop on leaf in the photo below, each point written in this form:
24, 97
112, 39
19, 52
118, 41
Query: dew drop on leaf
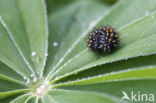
26, 80
32, 75
55, 44
42, 88
34, 57
34, 79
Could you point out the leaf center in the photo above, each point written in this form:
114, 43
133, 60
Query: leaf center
41, 89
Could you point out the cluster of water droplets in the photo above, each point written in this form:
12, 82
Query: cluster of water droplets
42, 89
31, 79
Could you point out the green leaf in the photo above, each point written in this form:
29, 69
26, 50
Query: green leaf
116, 88
117, 18
9, 93
34, 33
55, 5
7, 85
59, 68
85, 57
36, 29
132, 45
114, 67
62, 32
132, 73
22, 99
52, 28
9, 53
5, 70
12, 48
33, 100
66, 96
8, 99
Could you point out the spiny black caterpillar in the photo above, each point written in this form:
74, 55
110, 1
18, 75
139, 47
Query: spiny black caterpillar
104, 39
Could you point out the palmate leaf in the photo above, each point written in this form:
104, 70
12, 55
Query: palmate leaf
59, 68
87, 57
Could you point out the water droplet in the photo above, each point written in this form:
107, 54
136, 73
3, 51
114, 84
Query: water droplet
33, 53
26, 80
32, 75
42, 88
38, 91
55, 44
34, 57
34, 79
